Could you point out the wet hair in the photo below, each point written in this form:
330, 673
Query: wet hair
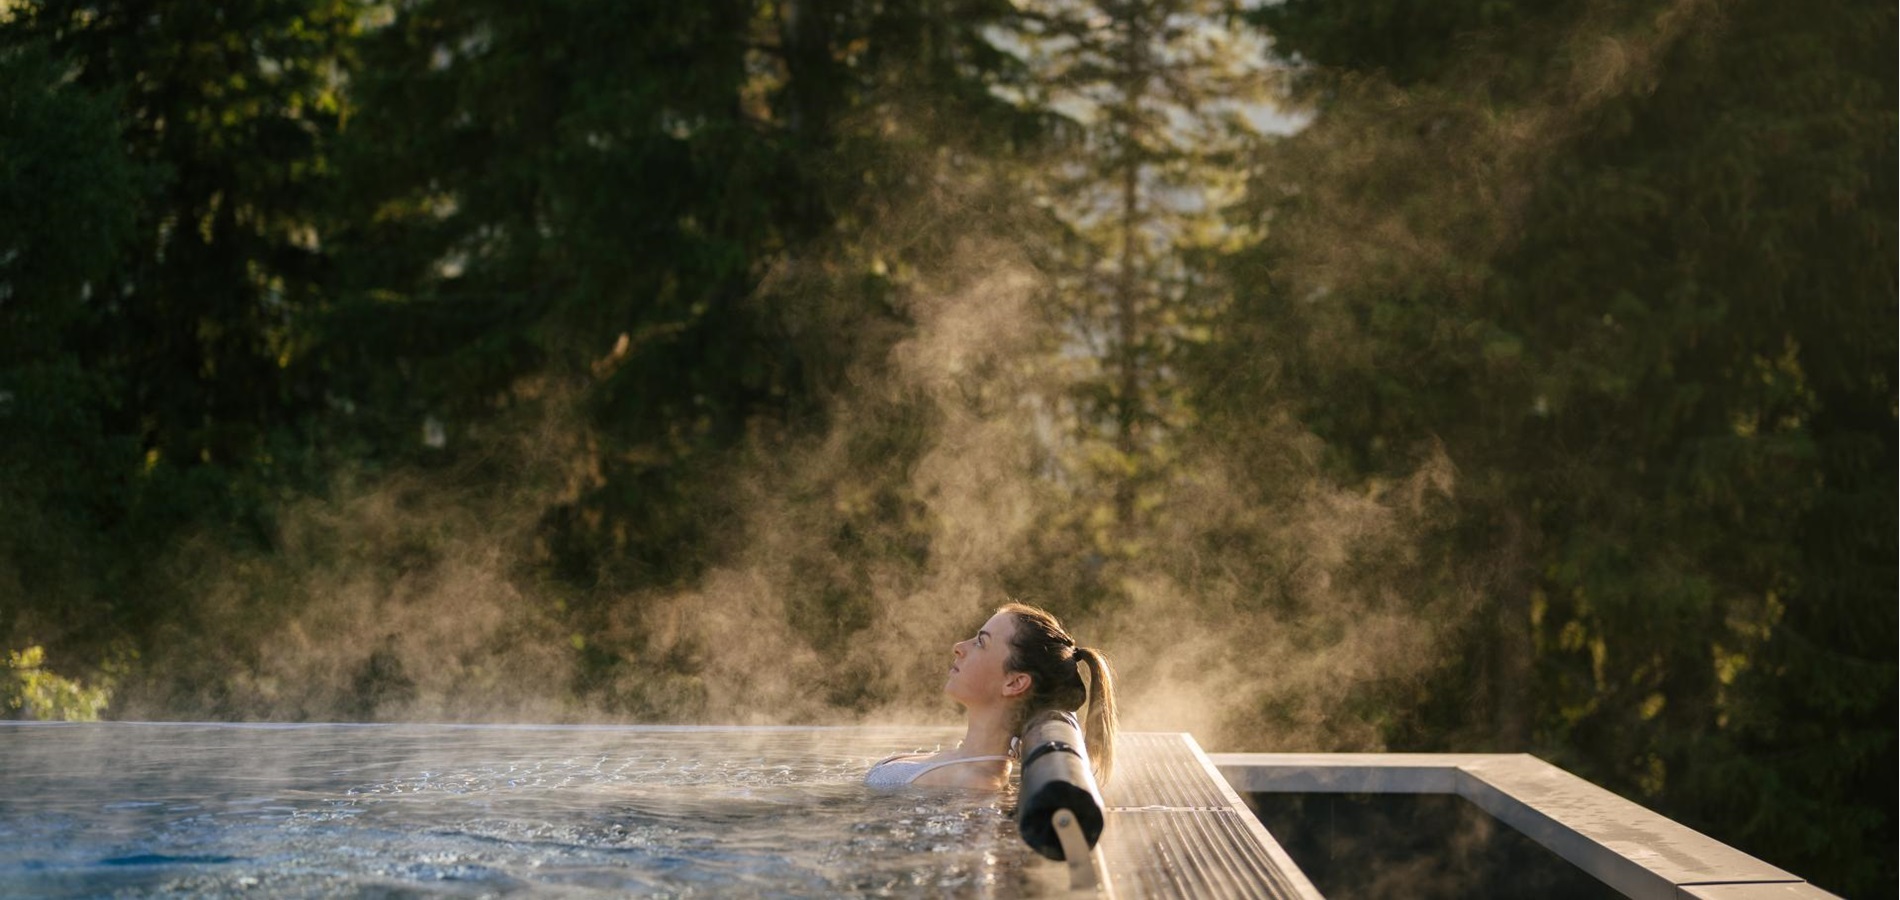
1044, 651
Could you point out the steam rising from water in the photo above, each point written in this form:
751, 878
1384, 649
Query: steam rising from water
409, 598
1268, 599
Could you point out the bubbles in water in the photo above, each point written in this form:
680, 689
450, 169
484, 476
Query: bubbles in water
218, 810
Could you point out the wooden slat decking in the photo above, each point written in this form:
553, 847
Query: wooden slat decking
1175, 828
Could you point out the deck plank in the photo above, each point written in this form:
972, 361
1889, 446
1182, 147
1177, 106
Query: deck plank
1175, 828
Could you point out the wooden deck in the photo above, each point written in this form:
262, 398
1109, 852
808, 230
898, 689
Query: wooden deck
1175, 828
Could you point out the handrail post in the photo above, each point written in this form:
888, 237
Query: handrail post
1076, 852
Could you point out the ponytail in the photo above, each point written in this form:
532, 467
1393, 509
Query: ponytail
1099, 729
1066, 677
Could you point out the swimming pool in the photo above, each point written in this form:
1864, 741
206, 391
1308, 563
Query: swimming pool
301, 810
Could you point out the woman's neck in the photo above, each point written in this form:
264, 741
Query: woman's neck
988, 732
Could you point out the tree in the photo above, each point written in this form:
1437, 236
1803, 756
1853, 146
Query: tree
1644, 300
184, 327
68, 198
1156, 97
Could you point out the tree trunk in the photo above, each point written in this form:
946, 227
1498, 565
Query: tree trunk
1128, 327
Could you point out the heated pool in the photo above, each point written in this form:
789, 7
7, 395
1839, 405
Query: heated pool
302, 810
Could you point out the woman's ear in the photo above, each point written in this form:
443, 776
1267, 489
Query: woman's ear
1016, 684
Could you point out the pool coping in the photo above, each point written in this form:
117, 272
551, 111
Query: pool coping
1634, 850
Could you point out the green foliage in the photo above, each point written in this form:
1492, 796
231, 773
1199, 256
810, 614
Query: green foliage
1152, 97
1407, 41
29, 691
360, 359
68, 198
1644, 298
366, 241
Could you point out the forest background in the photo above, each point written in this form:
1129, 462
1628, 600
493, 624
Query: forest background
1476, 375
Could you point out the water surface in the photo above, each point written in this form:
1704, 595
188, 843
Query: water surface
319, 810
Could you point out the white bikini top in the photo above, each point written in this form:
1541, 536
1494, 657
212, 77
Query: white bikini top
895, 772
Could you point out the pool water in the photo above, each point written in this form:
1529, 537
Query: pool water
320, 810
1421, 846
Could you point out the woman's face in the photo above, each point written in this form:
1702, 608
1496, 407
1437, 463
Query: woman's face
979, 665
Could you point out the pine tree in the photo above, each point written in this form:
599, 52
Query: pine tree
1639, 287
68, 202
1157, 96
224, 116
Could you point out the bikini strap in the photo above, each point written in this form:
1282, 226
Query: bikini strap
933, 766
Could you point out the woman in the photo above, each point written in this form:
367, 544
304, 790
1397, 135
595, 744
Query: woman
1021, 662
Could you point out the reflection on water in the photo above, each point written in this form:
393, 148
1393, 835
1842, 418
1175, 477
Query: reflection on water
121, 808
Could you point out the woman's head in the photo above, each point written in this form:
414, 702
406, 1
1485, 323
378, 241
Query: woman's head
1023, 657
